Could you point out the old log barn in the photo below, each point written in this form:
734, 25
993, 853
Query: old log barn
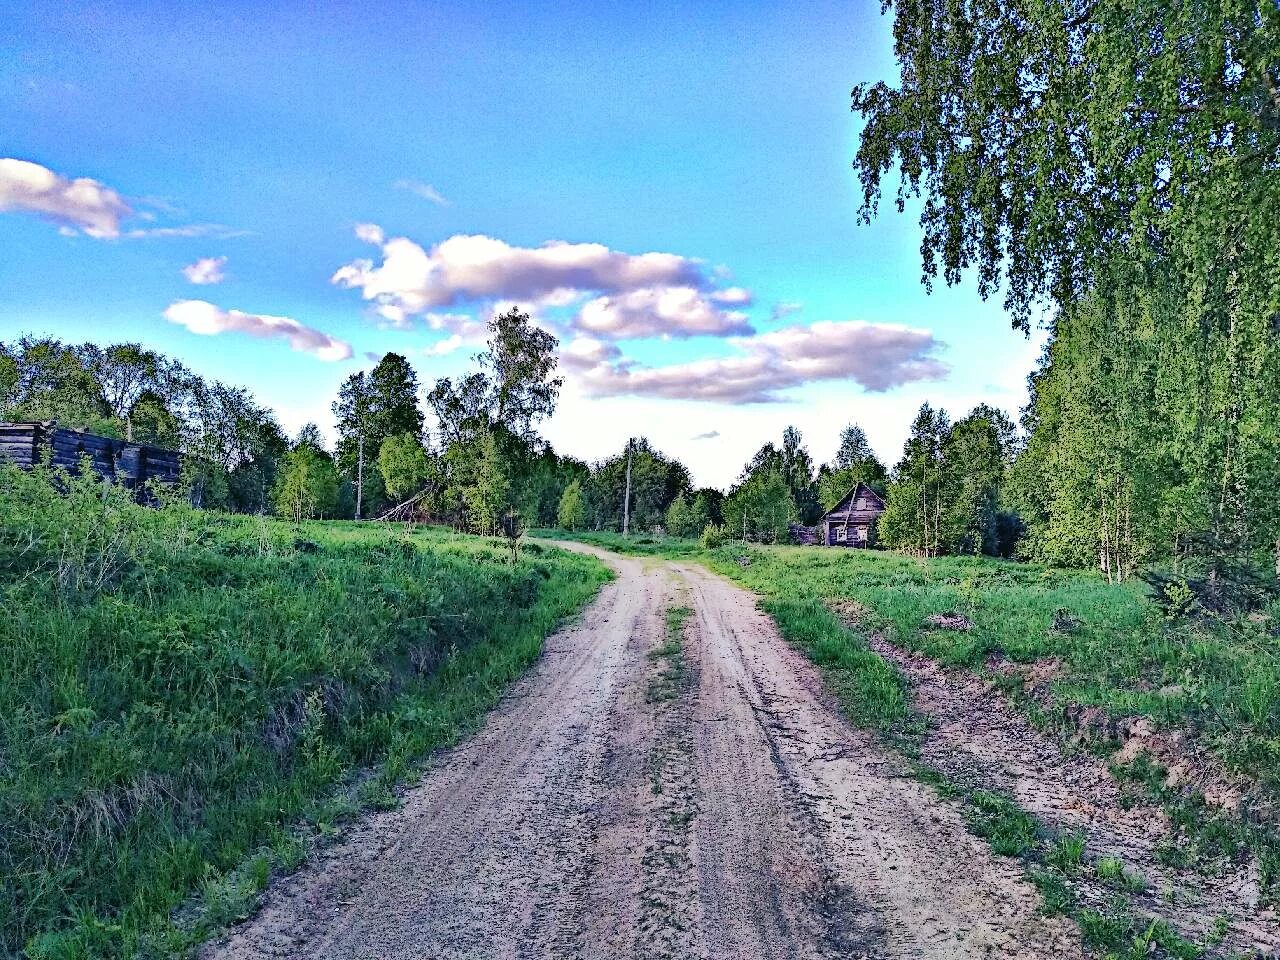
129, 464
852, 521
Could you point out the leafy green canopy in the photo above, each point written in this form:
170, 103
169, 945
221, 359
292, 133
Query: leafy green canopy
1048, 139
1116, 162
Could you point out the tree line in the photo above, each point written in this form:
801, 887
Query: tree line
1114, 166
481, 465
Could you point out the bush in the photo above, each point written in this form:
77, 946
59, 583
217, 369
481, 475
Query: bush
712, 536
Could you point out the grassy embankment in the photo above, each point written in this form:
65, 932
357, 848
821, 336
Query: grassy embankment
1112, 649
189, 700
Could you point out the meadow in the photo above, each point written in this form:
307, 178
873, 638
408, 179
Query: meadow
191, 700
1106, 646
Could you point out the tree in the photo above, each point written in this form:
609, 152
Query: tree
912, 519
760, 508
678, 518
521, 360
369, 409
125, 374
405, 465
152, 421
515, 388
975, 453
48, 380
687, 518
854, 448
1073, 133
572, 512
656, 480
307, 485
491, 495
797, 471
855, 462
1115, 162
251, 482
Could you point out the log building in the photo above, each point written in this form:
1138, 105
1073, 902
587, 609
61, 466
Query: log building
129, 464
852, 521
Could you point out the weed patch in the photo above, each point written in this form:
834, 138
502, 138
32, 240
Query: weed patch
189, 699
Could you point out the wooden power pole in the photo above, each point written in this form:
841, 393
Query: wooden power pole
360, 476
626, 496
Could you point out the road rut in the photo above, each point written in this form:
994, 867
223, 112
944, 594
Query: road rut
739, 817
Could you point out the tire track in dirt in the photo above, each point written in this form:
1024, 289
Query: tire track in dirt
521, 841
979, 739
739, 820
862, 859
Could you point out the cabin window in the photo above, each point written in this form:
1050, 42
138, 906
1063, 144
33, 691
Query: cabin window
862, 503
840, 534
861, 533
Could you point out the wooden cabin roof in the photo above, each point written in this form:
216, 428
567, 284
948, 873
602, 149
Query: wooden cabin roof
844, 510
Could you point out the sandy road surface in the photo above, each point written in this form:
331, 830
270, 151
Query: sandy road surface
738, 818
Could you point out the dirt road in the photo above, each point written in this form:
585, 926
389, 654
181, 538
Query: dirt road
629, 800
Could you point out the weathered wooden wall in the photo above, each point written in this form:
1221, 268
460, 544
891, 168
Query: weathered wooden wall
130, 464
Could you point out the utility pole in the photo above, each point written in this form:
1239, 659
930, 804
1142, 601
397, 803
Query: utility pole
626, 496
360, 475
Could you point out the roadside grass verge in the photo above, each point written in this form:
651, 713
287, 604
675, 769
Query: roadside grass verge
189, 700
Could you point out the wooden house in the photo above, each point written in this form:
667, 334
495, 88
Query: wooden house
852, 521
129, 464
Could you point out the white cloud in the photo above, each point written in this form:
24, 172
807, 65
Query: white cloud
81, 205
464, 332
424, 190
216, 230
85, 206
709, 435
661, 311
584, 353
785, 309
204, 318
370, 233
876, 356
206, 271
733, 297
411, 280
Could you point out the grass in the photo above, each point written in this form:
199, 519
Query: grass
672, 676
190, 700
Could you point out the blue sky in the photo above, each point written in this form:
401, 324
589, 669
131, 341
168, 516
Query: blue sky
719, 135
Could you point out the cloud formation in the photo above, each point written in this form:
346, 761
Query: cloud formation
785, 309
663, 311
412, 280
206, 271
81, 205
709, 435
208, 320
876, 356
586, 353
217, 230
424, 190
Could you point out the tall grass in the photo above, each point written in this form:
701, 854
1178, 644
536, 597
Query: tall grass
179, 688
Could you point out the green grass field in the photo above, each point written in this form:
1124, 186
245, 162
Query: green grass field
1217, 679
188, 700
